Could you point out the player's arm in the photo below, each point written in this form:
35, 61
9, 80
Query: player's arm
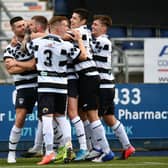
27, 38
78, 39
30, 36
10, 68
26, 65
16, 67
13, 41
68, 36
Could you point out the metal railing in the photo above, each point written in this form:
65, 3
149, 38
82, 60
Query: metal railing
3, 36
2, 47
120, 62
124, 64
3, 8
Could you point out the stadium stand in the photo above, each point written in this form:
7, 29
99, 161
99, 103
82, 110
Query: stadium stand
24, 8
163, 32
118, 31
118, 64
130, 61
129, 45
10, 8
131, 41
4, 75
143, 32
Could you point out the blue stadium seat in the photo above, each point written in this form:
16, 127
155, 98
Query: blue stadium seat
60, 7
143, 32
117, 32
127, 45
163, 32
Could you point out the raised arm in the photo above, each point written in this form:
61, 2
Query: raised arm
77, 37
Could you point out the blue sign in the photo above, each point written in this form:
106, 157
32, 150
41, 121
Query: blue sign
142, 108
7, 115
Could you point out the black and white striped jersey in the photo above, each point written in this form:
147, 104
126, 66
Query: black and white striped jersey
71, 73
87, 67
102, 48
26, 79
51, 54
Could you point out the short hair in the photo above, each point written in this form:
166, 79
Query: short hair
42, 20
15, 19
57, 19
104, 19
83, 13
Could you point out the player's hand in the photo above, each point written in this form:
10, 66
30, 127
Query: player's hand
13, 41
9, 63
77, 35
68, 36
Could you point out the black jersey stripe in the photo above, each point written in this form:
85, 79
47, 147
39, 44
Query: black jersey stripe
105, 81
33, 80
87, 70
52, 85
99, 58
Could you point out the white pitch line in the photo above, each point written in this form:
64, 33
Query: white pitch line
92, 165
155, 163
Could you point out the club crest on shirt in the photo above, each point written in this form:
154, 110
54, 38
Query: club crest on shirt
45, 110
21, 100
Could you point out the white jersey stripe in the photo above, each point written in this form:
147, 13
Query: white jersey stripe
102, 48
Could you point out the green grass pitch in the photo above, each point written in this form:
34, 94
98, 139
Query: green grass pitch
132, 162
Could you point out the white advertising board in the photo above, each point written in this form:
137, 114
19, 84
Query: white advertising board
156, 60
25, 6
